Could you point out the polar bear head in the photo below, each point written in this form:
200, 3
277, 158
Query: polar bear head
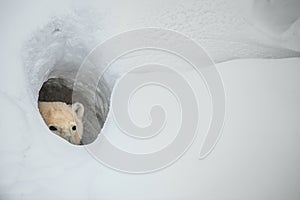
64, 120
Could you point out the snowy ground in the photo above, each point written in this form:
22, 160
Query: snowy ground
258, 155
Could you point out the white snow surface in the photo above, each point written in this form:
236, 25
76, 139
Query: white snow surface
258, 156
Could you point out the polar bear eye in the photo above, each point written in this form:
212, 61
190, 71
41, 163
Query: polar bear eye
52, 128
74, 128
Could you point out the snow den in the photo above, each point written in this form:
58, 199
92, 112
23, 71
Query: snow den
52, 58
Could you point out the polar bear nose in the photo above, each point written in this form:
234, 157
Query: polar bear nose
66, 134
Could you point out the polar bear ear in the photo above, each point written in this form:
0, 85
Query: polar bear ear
78, 109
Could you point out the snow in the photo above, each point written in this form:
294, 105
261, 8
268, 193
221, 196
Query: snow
258, 154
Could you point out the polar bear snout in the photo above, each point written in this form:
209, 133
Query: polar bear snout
71, 137
66, 135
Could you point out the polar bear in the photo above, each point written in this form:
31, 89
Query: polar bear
63, 120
